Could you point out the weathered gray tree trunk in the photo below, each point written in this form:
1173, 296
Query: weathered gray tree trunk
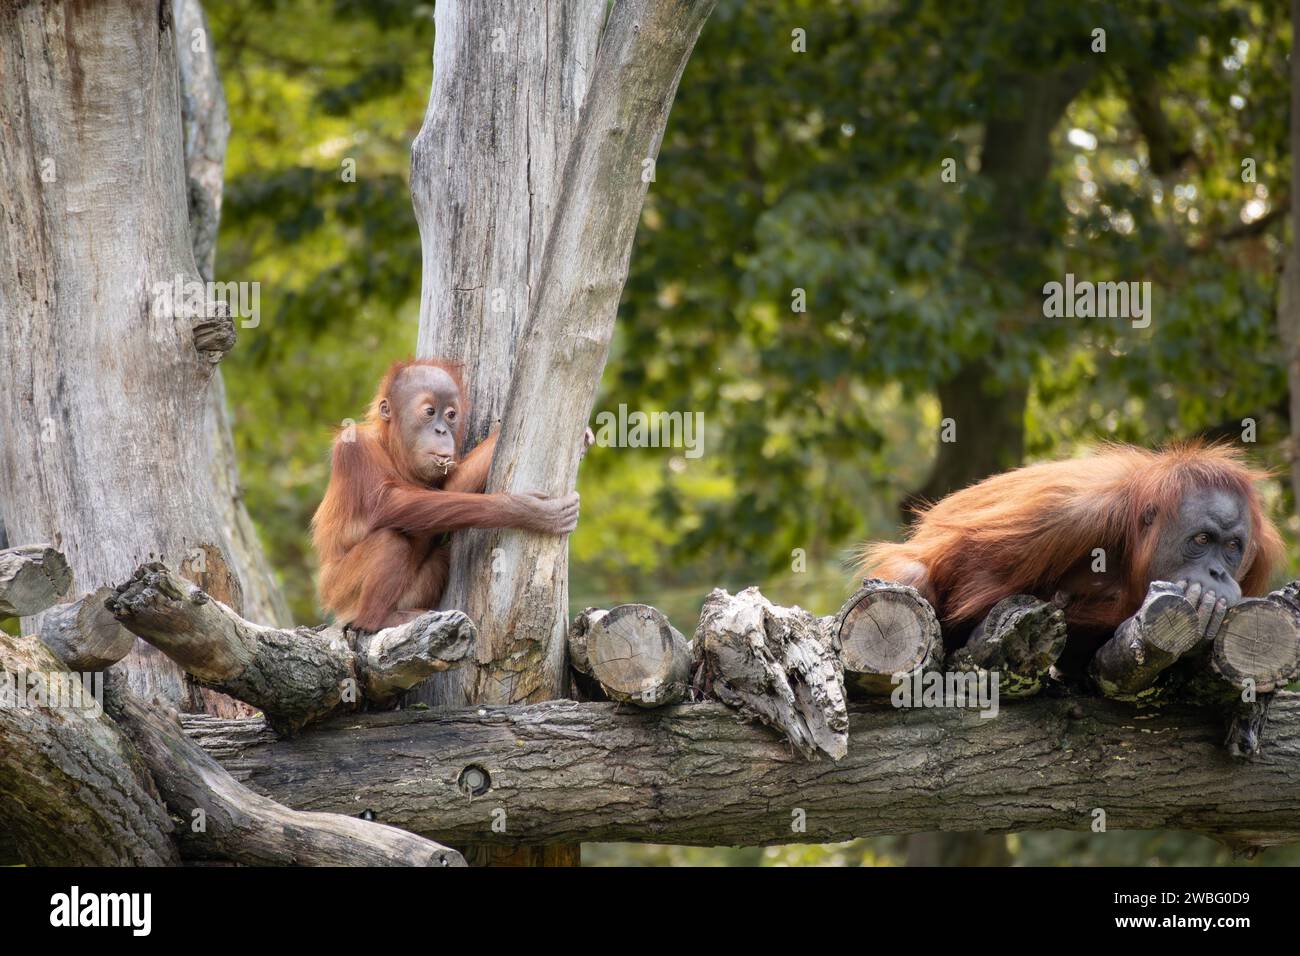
509, 83
102, 389
528, 177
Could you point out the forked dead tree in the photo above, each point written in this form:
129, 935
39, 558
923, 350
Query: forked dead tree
741, 735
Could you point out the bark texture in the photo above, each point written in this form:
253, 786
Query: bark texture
220, 819
519, 595
101, 410
509, 83
206, 128
73, 791
32, 578
772, 663
294, 675
693, 774
84, 634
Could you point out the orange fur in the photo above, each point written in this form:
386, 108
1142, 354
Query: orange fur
1033, 531
371, 566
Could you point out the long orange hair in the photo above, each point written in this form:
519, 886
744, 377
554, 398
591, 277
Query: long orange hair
1025, 531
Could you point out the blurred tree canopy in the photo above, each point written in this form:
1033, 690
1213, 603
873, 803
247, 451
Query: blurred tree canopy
804, 273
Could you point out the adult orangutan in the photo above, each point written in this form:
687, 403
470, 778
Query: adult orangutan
1069, 550
399, 487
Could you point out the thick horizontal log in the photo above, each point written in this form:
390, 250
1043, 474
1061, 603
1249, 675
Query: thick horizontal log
693, 774
293, 675
32, 578
221, 819
634, 653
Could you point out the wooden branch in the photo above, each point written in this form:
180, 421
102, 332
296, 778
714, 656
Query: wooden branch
633, 652
771, 663
395, 659
1162, 631
883, 630
695, 775
222, 819
1019, 640
294, 675
73, 791
32, 578
84, 634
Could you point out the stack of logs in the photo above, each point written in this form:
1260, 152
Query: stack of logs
790, 669
783, 666
121, 784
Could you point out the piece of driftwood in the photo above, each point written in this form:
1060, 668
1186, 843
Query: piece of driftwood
886, 630
1019, 640
84, 634
772, 664
693, 774
32, 578
633, 652
293, 675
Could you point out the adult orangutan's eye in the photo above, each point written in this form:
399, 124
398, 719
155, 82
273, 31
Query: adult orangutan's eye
1202, 539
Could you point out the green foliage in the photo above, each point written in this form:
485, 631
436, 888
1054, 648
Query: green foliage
780, 171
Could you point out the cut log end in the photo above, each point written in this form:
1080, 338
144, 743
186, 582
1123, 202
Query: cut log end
1163, 630
1258, 645
886, 629
634, 653
32, 578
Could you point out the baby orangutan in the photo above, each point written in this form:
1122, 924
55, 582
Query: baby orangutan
398, 489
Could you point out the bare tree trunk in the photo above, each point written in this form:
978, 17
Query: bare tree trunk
103, 388
527, 178
509, 82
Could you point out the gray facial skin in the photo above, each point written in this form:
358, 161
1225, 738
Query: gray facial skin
426, 402
1204, 544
